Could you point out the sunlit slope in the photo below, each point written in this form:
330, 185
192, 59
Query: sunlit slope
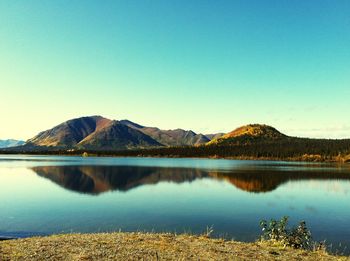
69, 133
117, 136
248, 134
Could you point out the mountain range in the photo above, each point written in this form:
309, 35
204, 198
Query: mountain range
10, 143
99, 133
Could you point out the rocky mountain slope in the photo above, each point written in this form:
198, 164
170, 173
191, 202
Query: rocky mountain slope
93, 132
117, 136
99, 133
69, 133
177, 137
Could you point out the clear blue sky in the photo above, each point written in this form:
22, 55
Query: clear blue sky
209, 66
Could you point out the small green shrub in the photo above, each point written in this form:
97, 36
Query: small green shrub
296, 237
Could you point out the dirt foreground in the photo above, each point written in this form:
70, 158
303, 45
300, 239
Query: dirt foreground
148, 246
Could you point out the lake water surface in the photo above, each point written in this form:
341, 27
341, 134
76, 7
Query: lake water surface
55, 194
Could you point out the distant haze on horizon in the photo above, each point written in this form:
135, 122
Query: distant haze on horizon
208, 66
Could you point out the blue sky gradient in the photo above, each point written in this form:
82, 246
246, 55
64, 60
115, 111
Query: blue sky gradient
209, 66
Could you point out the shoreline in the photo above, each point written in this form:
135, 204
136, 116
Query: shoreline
302, 159
149, 246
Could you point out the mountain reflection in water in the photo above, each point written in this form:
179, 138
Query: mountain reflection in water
97, 179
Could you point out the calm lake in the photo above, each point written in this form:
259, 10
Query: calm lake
55, 194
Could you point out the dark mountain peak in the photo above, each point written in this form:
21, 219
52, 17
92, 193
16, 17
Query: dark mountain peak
200, 139
131, 124
183, 131
190, 133
95, 117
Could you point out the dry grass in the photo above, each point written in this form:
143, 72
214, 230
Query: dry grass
147, 246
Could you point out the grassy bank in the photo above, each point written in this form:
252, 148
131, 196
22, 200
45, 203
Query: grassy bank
148, 246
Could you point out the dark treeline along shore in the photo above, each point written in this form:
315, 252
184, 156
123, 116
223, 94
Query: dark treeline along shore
284, 149
99, 136
298, 149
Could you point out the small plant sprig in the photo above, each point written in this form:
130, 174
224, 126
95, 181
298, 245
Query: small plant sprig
296, 237
209, 231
